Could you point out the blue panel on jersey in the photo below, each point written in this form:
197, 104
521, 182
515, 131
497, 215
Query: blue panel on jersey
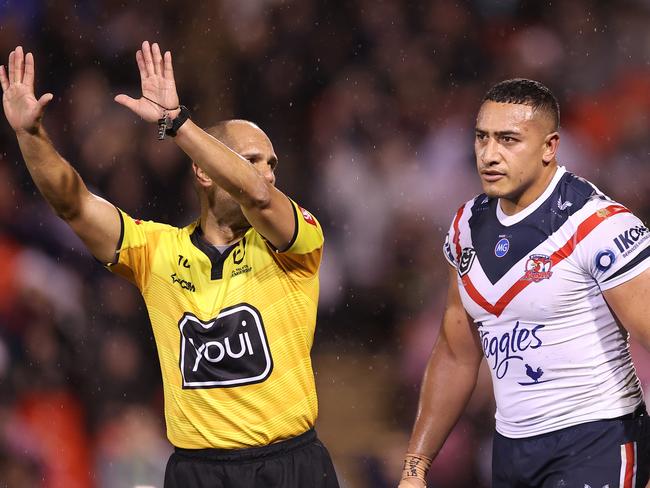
569, 196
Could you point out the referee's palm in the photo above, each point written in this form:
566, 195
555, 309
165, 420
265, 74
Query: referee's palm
22, 109
159, 93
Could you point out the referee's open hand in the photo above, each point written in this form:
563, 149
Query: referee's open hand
159, 96
23, 111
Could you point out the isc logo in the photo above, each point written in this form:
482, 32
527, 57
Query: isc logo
230, 350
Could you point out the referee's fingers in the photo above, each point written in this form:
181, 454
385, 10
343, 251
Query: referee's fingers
4, 81
127, 101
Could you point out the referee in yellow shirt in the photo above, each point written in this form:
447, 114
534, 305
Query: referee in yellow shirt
232, 297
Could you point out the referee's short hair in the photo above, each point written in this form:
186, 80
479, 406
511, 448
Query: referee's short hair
526, 92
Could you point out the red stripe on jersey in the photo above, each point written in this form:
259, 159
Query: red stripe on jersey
628, 481
459, 214
583, 230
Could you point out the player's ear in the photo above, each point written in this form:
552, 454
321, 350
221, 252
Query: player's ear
201, 176
551, 144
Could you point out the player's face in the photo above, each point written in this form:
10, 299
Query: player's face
514, 147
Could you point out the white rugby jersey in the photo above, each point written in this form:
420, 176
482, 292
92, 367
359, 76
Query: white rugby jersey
532, 282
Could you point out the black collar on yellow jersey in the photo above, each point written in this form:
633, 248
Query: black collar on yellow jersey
216, 258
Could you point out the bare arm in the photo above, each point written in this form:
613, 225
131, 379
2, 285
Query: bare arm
631, 305
93, 219
449, 379
267, 209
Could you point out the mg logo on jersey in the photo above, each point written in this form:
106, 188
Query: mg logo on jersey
466, 261
502, 247
538, 268
229, 350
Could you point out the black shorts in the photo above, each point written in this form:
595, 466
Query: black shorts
300, 462
603, 454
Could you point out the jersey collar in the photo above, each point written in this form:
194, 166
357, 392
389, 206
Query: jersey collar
217, 259
508, 220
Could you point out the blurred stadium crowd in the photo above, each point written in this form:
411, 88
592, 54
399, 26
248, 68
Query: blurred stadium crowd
370, 105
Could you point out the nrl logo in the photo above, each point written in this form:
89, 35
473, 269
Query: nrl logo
602, 213
466, 261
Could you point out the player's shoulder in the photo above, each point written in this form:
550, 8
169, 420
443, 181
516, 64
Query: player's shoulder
587, 199
474, 206
577, 192
475, 211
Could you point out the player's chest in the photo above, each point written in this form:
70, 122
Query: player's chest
526, 274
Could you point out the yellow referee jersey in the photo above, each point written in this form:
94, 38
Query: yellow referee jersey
233, 330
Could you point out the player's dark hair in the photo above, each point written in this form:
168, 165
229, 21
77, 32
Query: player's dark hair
526, 92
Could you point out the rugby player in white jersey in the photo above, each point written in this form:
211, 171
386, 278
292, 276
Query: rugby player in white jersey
547, 278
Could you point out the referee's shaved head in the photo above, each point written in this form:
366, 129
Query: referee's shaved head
231, 132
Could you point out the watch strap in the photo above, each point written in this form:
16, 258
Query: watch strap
172, 126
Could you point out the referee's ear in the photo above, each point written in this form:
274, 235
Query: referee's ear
201, 176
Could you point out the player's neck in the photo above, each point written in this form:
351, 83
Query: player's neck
511, 206
222, 230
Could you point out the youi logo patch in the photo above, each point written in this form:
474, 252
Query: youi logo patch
502, 247
229, 350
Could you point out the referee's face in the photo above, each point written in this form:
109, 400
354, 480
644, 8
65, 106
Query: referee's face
515, 149
252, 144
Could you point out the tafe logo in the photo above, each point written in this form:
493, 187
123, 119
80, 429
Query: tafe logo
538, 268
230, 350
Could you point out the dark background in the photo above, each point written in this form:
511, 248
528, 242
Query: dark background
371, 106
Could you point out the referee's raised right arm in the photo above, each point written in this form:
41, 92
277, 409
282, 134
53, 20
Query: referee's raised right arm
92, 218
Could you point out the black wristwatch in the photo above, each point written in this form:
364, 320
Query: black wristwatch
177, 122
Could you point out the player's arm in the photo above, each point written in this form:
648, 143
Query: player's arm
447, 386
630, 302
93, 219
267, 209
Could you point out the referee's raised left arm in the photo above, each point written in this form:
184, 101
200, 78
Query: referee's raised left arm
92, 218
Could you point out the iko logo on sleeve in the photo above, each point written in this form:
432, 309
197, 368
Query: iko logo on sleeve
631, 239
229, 350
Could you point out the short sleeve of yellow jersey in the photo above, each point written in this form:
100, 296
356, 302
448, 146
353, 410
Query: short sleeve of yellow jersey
135, 249
304, 253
